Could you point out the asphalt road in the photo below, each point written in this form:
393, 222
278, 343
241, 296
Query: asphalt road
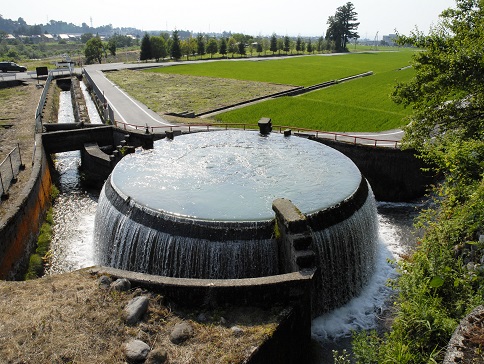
126, 109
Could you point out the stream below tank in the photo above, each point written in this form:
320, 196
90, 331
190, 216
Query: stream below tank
72, 247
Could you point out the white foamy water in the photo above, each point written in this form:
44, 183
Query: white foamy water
72, 240
74, 209
364, 311
91, 108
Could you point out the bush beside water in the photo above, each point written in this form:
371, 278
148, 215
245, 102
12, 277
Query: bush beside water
38, 260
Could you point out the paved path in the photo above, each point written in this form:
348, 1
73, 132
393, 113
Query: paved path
126, 109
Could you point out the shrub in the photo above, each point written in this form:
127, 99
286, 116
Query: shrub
36, 267
36, 261
440, 283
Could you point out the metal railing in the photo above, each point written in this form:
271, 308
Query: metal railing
7, 76
9, 170
105, 110
62, 70
99, 94
354, 139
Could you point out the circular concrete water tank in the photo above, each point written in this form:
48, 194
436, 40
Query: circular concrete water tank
200, 206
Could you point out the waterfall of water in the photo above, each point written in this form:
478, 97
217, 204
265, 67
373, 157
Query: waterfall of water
142, 240
346, 253
200, 206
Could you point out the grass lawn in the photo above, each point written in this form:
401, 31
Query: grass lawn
164, 93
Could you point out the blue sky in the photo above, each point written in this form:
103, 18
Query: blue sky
303, 17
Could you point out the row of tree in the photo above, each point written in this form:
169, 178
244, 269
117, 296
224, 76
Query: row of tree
20, 27
162, 46
342, 28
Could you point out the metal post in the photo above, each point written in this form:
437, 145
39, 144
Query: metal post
1, 181
11, 166
22, 166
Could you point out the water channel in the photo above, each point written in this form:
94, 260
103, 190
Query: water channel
72, 245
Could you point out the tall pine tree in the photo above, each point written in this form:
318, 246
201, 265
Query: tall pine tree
273, 47
175, 51
223, 47
145, 53
342, 26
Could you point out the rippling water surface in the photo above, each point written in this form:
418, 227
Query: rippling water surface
235, 175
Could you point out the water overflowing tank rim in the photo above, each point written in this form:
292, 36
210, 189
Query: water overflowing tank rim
235, 176
131, 200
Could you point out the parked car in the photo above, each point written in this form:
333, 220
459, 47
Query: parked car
11, 66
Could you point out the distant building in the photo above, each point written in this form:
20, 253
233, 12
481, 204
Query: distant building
70, 36
389, 39
48, 37
36, 38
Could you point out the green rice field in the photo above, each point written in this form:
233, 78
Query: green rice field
297, 71
362, 104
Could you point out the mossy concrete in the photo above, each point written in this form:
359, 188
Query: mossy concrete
395, 175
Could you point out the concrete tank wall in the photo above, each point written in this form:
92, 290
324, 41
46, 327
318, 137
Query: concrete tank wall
20, 227
394, 175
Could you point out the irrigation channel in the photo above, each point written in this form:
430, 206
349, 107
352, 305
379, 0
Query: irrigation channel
72, 246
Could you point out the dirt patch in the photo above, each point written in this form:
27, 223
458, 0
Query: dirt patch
17, 126
164, 93
69, 318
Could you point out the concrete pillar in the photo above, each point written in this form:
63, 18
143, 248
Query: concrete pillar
170, 134
295, 237
265, 126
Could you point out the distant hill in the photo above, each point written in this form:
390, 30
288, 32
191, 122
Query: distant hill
20, 27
